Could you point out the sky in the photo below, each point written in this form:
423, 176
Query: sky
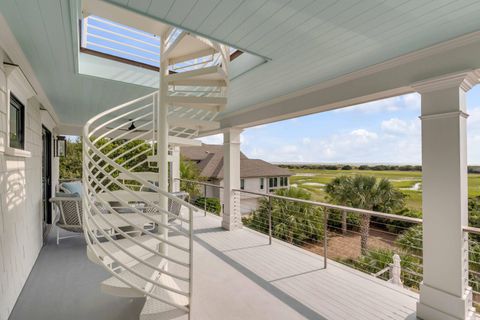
383, 131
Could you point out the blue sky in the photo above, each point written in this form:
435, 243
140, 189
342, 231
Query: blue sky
384, 131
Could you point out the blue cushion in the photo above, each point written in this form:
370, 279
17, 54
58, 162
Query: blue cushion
73, 187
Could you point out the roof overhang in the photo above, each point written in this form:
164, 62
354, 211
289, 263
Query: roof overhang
390, 78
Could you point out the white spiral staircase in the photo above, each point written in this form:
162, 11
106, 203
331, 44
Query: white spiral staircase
131, 223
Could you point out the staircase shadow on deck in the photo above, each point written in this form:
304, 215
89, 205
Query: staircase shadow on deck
266, 285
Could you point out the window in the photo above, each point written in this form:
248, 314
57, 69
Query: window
272, 182
17, 123
281, 181
262, 183
242, 184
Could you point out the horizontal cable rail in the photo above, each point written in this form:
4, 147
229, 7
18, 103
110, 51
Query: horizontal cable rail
200, 196
473, 240
369, 241
338, 207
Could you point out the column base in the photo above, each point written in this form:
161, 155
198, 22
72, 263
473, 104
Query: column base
436, 304
231, 225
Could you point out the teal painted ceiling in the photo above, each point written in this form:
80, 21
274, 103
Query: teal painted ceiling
308, 41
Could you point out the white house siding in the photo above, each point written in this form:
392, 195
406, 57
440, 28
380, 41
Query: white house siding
21, 211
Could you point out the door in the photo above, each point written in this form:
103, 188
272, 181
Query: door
46, 178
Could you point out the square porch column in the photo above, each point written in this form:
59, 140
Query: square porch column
175, 169
231, 218
444, 292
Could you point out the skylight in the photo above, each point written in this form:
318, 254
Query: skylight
101, 39
114, 39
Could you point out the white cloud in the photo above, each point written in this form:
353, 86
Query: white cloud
306, 141
363, 136
398, 126
410, 101
218, 139
215, 139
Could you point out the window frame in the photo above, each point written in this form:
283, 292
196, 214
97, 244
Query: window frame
15, 103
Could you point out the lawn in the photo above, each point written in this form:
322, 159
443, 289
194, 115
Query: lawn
314, 179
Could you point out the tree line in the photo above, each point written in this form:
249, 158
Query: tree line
365, 167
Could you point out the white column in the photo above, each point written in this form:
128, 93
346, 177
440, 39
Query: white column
231, 218
444, 292
175, 169
162, 140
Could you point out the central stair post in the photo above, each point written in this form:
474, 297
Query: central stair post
162, 141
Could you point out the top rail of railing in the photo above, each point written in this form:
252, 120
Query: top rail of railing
337, 207
473, 230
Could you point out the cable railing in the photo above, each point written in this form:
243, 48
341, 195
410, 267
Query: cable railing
473, 236
335, 232
204, 195
389, 248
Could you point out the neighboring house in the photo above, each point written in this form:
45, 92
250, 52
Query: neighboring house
255, 175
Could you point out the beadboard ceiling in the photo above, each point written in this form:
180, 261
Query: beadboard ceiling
308, 41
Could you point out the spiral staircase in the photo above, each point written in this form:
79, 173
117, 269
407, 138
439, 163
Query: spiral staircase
131, 222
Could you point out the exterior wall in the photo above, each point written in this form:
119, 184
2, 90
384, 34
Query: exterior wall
21, 213
248, 203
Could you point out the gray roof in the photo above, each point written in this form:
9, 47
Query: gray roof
209, 159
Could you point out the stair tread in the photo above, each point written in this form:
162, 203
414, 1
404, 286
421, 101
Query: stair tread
153, 307
140, 268
115, 286
208, 73
200, 100
128, 245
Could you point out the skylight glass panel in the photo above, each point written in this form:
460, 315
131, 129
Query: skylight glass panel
105, 36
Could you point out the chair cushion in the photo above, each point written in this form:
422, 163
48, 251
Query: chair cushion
73, 187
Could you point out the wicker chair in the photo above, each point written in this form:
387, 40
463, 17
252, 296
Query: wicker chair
69, 207
174, 208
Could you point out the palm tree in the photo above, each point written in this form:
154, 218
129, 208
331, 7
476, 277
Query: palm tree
365, 192
292, 221
189, 171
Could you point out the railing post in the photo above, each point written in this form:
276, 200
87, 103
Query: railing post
269, 220
325, 242
205, 200
190, 257
344, 222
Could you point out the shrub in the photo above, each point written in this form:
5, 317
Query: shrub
295, 222
377, 259
396, 226
213, 204
411, 240
347, 167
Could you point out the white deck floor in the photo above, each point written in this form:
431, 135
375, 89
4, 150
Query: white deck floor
237, 276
